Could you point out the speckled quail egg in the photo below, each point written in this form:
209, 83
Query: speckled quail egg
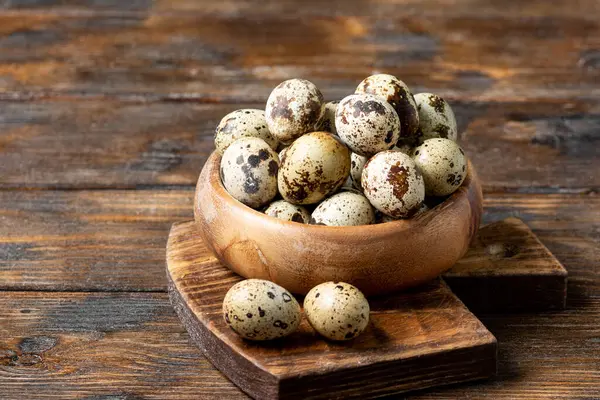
395, 92
443, 165
249, 171
357, 163
281, 209
381, 218
436, 118
367, 124
314, 166
393, 184
327, 124
257, 309
293, 108
344, 209
243, 123
337, 310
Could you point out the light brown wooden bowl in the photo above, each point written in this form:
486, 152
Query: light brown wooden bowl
377, 258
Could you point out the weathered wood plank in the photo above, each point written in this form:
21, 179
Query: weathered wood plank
235, 52
104, 144
567, 225
105, 240
508, 269
70, 346
515, 146
127, 345
115, 240
397, 353
313, 7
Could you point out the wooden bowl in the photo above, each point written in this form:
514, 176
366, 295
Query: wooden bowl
378, 258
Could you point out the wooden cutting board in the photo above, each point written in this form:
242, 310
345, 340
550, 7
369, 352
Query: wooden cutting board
507, 269
416, 339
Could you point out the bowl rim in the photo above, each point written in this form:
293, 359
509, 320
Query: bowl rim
214, 180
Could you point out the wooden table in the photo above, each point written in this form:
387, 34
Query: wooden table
107, 115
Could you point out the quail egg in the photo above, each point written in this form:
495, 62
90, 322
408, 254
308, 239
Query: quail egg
249, 171
289, 212
367, 124
337, 310
328, 122
257, 309
314, 166
393, 184
357, 163
243, 123
436, 118
344, 209
443, 165
293, 108
395, 92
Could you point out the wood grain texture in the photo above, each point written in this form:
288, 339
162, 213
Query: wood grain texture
338, 7
508, 269
416, 339
239, 50
132, 345
100, 346
78, 240
104, 144
114, 240
526, 146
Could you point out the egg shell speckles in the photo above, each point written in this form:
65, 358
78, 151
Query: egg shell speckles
257, 309
314, 166
436, 118
293, 108
357, 163
443, 165
249, 171
367, 124
381, 218
393, 184
337, 310
246, 122
398, 95
344, 209
327, 123
281, 209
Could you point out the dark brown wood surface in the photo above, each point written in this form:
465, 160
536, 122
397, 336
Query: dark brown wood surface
106, 117
240, 50
526, 145
115, 240
508, 269
415, 339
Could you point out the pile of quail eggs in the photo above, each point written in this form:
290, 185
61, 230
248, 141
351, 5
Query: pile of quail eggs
372, 157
